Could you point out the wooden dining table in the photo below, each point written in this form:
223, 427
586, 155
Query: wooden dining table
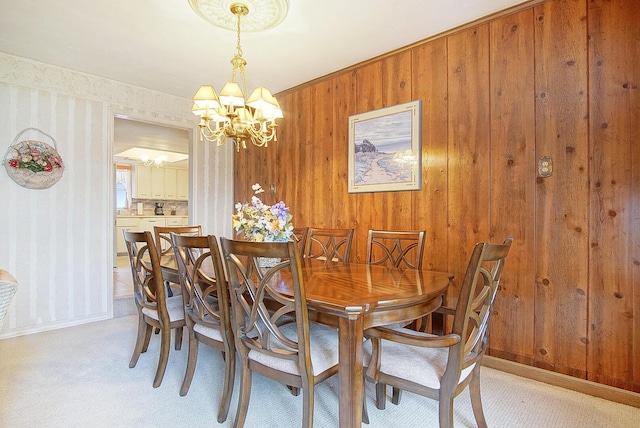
361, 296
358, 296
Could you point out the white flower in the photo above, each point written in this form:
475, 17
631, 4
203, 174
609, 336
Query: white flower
257, 188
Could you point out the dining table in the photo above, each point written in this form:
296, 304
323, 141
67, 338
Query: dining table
356, 297
362, 296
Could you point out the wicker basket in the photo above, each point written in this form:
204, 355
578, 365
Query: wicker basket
33, 164
8, 287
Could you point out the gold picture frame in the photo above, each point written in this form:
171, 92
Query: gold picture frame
385, 149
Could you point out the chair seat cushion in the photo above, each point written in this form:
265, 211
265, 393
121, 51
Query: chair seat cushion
174, 308
210, 332
323, 343
423, 366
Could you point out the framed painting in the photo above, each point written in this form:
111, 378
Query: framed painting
385, 149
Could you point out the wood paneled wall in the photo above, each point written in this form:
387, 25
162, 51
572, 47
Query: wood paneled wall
559, 79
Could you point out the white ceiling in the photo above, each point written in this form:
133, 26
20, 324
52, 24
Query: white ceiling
164, 45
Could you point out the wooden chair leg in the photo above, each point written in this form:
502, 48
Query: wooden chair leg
243, 400
141, 342
365, 412
295, 391
227, 389
381, 395
165, 346
395, 397
191, 364
445, 411
178, 338
307, 406
147, 338
476, 399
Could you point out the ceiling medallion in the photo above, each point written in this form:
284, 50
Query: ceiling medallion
265, 14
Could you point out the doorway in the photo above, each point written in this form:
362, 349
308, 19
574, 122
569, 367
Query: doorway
151, 156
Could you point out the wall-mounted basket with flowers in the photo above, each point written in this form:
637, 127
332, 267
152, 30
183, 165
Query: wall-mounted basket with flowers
33, 164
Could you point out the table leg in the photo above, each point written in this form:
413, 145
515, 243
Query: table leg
350, 371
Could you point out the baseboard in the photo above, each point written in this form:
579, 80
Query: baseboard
568, 382
40, 328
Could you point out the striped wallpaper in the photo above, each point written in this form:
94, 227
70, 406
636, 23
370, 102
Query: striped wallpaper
58, 242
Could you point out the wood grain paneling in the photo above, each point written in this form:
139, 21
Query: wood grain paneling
512, 185
562, 199
369, 96
468, 147
613, 355
559, 79
344, 96
321, 155
430, 204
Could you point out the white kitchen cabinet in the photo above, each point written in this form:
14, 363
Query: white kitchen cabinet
174, 221
170, 183
131, 224
151, 182
142, 182
147, 223
182, 184
157, 183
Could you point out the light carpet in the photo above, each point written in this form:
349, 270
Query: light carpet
80, 377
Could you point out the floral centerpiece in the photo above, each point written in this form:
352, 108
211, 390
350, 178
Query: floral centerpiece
260, 222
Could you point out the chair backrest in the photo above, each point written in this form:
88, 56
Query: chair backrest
148, 287
300, 236
474, 305
202, 279
261, 308
328, 244
396, 248
8, 288
163, 238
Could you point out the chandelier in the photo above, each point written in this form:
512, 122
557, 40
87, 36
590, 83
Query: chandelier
157, 162
229, 116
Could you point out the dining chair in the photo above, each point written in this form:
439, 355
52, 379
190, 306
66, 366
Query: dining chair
395, 248
206, 308
154, 308
440, 367
165, 250
163, 237
276, 338
328, 244
300, 236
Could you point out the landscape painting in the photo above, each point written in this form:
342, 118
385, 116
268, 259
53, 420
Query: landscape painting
384, 149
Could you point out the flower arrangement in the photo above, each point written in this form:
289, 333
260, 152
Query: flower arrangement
260, 222
35, 159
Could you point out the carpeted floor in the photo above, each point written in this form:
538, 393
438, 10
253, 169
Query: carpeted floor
79, 377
